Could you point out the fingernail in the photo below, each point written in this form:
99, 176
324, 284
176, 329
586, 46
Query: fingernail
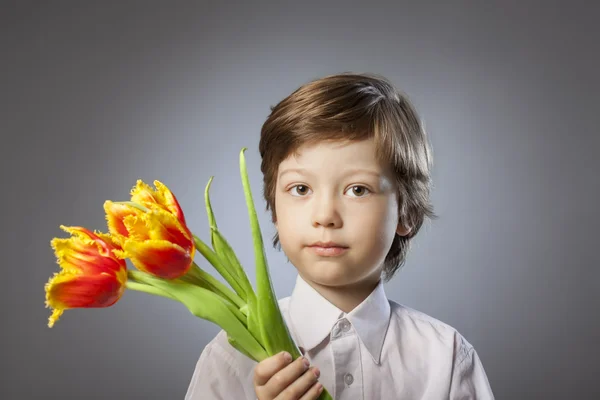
319, 388
287, 356
306, 362
317, 372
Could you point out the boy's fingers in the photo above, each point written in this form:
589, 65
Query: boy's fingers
291, 382
301, 388
270, 366
313, 393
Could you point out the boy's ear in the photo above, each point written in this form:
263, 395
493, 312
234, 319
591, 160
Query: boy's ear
401, 230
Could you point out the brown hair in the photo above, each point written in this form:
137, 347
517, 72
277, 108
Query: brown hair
354, 107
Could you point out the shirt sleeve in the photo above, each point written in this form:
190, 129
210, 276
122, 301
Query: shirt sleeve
215, 377
469, 380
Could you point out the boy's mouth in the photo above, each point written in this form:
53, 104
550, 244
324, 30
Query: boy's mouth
328, 245
328, 249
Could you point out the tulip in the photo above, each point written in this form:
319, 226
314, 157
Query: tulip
91, 275
151, 231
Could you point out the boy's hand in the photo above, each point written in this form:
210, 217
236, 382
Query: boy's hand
277, 377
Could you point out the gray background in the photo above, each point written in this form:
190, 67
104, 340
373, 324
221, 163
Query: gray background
95, 95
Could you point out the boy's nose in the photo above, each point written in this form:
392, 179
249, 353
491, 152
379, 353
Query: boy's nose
325, 213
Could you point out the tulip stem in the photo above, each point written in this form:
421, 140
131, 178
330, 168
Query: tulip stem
236, 311
141, 287
208, 305
209, 282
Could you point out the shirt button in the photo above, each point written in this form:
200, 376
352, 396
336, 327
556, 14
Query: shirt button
348, 378
345, 325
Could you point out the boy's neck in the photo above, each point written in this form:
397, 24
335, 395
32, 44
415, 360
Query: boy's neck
348, 297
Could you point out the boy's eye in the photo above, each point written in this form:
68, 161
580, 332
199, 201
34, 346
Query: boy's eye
359, 191
303, 190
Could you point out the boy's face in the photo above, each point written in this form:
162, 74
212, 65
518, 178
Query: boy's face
341, 195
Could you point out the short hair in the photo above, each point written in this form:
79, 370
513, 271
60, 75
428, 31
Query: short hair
354, 107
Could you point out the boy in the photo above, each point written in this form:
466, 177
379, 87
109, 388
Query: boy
346, 168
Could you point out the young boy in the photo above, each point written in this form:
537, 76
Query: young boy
346, 167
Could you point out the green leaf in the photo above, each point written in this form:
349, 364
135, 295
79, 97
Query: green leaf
209, 306
214, 259
237, 346
268, 319
224, 250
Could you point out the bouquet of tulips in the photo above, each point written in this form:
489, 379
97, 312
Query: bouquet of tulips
150, 230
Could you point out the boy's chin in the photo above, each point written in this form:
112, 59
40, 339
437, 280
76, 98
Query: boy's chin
331, 276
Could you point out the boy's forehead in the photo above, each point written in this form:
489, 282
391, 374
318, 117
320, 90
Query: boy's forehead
360, 150
331, 144
336, 154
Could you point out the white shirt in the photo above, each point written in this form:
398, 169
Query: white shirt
379, 350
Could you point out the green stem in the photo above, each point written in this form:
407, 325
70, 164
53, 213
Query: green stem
205, 280
208, 281
142, 287
236, 311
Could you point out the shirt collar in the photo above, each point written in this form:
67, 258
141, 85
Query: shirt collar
313, 317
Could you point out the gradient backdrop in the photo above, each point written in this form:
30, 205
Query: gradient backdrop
95, 95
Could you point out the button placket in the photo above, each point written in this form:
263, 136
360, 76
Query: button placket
346, 356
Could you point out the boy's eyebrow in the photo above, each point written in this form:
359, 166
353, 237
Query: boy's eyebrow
348, 172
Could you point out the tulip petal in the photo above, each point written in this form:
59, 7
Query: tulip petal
170, 201
144, 194
161, 198
115, 213
71, 289
159, 225
108, 238
85, 252
137, 227
73, 255
160, 258
88, 237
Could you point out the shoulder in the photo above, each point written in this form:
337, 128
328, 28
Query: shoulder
221, 372
405, 314
429, 331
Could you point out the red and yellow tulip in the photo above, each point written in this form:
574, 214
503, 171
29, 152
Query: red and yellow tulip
91, 275
151, 231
